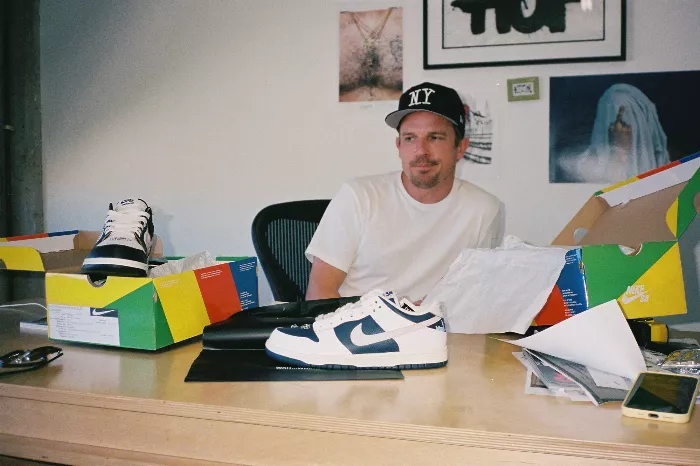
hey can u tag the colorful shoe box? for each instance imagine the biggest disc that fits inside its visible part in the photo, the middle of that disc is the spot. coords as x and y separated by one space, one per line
569 296
628 248
141 313
148 313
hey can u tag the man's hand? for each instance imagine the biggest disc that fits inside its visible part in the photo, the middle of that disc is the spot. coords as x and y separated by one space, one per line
324 281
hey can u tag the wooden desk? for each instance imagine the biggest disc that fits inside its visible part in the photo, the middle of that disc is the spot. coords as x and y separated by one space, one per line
133 407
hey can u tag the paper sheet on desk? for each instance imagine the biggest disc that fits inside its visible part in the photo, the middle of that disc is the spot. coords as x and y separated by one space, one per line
599 338
497 290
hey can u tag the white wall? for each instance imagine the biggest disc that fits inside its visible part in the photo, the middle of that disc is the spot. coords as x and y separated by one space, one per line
211 110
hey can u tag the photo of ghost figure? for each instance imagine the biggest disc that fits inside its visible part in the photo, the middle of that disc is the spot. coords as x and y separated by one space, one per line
371 55
609 128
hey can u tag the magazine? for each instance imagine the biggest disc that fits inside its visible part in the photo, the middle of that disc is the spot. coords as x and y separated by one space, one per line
580 374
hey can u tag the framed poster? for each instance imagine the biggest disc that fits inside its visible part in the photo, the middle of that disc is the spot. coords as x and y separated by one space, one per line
370 52
609 128
523 89
469 33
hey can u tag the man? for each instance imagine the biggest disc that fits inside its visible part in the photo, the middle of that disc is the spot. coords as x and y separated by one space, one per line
401 231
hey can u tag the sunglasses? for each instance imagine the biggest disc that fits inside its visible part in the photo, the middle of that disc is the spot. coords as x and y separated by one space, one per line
24 360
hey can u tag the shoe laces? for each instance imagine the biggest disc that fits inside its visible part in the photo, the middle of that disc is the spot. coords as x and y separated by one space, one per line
347 310
350 311
126 221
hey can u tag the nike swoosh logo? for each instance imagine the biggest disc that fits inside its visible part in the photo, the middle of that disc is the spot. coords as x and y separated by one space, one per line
95 312
628 299
359 338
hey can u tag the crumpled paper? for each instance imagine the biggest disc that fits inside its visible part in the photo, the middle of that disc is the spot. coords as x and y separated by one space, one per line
497 290
196 261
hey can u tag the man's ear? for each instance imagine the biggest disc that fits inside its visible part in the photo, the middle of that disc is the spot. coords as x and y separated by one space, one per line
462 148
398 142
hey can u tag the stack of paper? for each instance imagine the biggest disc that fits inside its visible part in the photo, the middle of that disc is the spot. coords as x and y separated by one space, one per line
591 356
599 338
548 375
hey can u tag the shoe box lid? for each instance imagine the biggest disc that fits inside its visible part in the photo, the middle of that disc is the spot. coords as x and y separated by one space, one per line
629 244
62 251
658 205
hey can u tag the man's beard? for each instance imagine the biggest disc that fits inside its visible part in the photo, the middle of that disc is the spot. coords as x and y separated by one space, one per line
420 182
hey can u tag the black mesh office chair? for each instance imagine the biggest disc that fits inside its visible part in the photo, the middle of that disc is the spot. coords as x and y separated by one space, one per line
281 233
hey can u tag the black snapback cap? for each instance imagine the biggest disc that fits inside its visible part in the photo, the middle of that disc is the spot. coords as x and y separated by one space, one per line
434 98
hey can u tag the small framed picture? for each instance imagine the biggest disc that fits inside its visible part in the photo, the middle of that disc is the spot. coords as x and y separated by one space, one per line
523 89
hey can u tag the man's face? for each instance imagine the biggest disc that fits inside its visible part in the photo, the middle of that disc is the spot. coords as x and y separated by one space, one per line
427 149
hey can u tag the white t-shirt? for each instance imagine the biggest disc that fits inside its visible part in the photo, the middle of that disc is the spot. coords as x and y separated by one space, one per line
383 238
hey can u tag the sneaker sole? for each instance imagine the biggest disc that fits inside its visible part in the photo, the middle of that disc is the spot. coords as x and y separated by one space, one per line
365 361
113 266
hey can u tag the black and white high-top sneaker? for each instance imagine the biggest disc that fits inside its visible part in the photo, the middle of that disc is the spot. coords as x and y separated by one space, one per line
125 243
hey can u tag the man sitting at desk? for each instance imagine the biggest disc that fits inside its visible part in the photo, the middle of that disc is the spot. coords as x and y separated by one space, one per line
400 231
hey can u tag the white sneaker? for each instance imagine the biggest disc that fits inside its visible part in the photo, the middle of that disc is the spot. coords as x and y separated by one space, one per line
125 243
376 332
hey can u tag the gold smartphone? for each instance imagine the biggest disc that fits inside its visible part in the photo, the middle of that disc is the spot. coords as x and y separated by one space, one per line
661 397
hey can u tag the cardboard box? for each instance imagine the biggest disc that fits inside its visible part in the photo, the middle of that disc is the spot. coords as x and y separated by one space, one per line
141 313
62 250
148 313
629 249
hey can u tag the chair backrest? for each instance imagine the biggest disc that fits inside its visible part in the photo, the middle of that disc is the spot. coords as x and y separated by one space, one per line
281 233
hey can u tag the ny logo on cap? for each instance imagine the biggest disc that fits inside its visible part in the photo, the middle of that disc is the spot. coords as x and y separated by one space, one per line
415 96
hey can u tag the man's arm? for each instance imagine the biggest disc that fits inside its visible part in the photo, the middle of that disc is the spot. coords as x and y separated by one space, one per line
324 280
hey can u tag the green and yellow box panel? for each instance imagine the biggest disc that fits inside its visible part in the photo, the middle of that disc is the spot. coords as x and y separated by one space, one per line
148 313
628 246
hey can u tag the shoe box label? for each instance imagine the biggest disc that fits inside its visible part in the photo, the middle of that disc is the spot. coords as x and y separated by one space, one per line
83 323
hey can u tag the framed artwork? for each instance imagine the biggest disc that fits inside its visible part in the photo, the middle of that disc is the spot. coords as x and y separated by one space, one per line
609 128
370 52
479 128
470 33
523 89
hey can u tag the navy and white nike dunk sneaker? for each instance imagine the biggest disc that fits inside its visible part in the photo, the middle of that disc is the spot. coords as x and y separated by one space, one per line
378 331
125 243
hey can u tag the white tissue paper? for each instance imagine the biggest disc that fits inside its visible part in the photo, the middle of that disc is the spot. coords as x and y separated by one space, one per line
196 261
497 290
